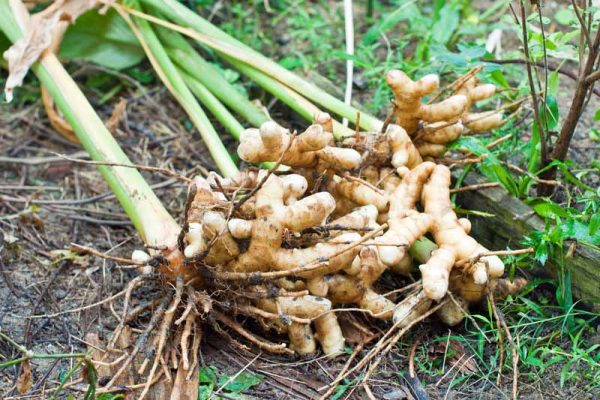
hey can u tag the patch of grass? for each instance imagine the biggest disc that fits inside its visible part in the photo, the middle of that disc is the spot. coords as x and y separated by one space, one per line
547 347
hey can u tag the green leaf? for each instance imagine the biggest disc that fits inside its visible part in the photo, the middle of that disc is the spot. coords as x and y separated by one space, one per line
534 361
597 115
241 382
454 59
553 81
549 114
445 27
564 373
562 166
547 209
291 62
541 253
103 39
499 78
205 392
340 390
391 20
565 16
5 44
533 306
594 224
207 375
505 179
581 232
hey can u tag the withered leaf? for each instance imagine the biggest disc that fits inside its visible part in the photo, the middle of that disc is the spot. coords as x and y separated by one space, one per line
24 381
40 31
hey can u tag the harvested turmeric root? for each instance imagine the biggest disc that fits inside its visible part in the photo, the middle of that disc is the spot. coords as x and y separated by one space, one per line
293 246
453 241
409 108
432 126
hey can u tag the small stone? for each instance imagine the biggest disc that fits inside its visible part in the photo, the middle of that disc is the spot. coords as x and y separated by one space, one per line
396 394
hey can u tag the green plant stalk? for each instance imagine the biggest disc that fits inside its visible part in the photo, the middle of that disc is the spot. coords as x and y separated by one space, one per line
187 59
66 377
296 102
421 249
168 73
150 218
230 46
212 103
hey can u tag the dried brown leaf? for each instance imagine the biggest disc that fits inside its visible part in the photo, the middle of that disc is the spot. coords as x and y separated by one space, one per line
56 119
24 381
457 356
113 122
41 30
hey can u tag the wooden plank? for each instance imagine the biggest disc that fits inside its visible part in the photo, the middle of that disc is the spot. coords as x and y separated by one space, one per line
514 219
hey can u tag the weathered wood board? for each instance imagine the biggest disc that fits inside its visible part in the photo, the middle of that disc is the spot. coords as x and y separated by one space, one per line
512 220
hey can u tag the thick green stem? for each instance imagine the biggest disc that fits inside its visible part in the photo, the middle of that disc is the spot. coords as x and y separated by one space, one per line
230 46
213 104
168 73
152 221
187 59
296 102
421 249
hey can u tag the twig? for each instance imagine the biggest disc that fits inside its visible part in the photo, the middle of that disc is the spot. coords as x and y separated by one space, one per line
362 182
88 250
496 142
593 77
40 160
457 84
534 98
476 258
136 281
159 170
262 344
355 352
478 186
552 67
392 342
551 182
515 355
584 29
310 267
